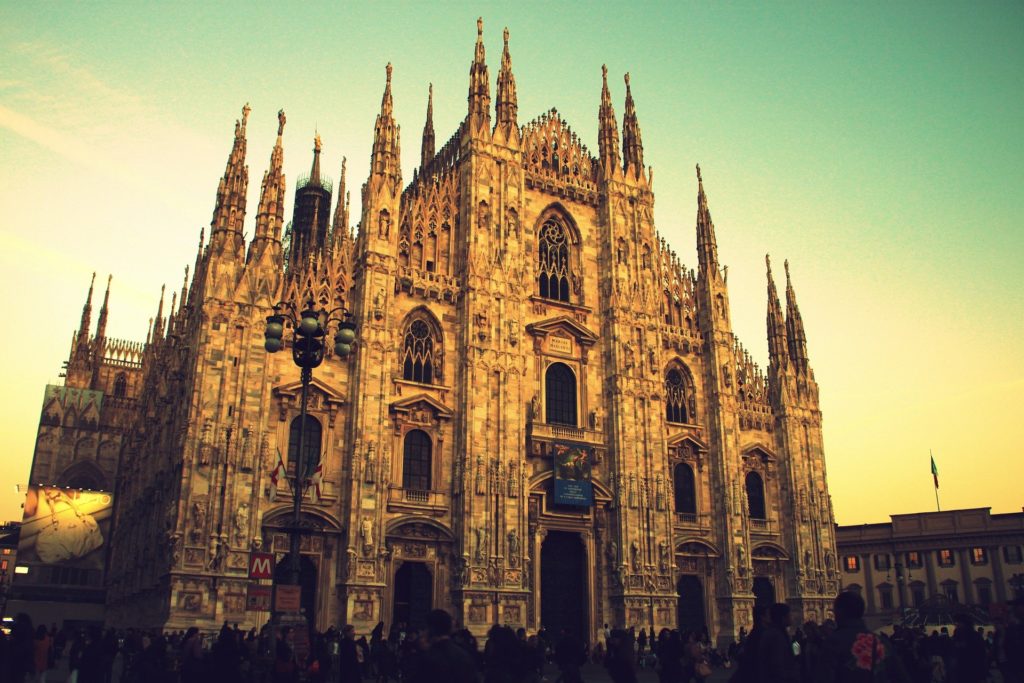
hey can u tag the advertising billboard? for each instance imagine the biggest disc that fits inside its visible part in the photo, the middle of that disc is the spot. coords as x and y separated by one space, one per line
572 475
65 527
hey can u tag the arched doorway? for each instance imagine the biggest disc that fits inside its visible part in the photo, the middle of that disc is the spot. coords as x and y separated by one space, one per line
764 591
414 594
690 608
563 581
307 580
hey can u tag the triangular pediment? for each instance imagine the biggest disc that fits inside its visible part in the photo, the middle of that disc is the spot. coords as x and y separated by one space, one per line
682 439
292 389
760 450
563 323
420 402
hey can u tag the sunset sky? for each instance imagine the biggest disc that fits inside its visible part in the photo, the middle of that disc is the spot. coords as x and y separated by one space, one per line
877 146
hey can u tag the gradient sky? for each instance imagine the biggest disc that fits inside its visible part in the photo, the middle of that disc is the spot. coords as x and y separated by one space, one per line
877 146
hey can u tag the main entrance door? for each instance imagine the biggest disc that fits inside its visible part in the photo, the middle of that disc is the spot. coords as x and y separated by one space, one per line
563 584
307 580
690 609
764 591
414 594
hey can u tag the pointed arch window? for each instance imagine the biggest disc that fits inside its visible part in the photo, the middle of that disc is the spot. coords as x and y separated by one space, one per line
685 489
416 461
120 386
310 445
553 268
421 352
755 496
675 397
560 395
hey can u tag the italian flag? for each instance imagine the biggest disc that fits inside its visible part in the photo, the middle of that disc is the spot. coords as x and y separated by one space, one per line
935 472
275 476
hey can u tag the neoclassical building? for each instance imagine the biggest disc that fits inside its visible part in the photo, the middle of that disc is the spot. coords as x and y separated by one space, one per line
516 309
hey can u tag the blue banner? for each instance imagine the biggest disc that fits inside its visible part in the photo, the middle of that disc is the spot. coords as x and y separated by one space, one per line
571 463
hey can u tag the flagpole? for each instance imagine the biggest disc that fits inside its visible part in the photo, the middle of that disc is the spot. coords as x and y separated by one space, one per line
938 507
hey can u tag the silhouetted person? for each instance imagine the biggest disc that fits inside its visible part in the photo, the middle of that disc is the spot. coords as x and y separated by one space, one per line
969 664
570 655
852 653
746 670
619 660
776 662
443 660
348 658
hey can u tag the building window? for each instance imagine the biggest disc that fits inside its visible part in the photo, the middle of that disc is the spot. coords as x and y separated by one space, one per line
421 352
553 272
917 593
946 558
560 395
675 397
755 496
983 587
851 563
685 489
979 556
914 560
882 562
310 455
1011 553
885 596
950 590
120 385
416 461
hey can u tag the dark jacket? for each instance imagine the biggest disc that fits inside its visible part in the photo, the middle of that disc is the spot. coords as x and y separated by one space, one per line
853 654
443 661
776 662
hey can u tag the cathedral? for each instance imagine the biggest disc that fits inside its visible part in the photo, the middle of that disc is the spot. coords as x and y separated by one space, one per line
545 420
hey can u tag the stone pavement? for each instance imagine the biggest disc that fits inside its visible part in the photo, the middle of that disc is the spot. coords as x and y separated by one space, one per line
593 673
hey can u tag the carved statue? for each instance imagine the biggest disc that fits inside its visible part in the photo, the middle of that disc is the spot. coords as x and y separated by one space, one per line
634 553
741 555
513 480
218 551
627 355
807 559
241 523
535 408
645 499
480 534
198 520
384 225
726 376
691 401
481 482
370 475
513 548
659 487
612 552
632 490
366 535
663 555
483 215
513 332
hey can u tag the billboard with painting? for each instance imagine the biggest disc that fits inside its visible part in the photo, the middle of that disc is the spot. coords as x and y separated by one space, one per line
65 527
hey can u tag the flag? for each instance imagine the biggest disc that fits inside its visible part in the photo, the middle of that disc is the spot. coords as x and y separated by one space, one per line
935 472
275 475
316 482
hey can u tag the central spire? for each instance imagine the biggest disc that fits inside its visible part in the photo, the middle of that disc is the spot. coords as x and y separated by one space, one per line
608 127
427 148
632 144
479 85
271 212
707 247
386 152
778 353
507 105
796 338
229 212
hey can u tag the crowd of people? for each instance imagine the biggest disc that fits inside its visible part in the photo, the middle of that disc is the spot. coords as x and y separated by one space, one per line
774 651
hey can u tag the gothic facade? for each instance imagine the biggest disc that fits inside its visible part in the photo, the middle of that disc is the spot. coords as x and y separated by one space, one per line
514 297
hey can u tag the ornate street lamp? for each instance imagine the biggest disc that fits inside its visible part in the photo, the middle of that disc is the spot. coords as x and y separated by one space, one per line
310 327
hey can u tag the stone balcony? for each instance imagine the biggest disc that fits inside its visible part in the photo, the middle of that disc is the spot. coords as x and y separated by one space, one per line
434 503
538 432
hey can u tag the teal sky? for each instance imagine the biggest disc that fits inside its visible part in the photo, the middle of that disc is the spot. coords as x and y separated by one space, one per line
877 146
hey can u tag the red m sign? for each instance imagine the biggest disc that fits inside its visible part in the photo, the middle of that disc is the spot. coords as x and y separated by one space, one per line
261 565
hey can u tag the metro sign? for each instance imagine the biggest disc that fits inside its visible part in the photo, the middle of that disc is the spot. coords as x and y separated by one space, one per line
261 565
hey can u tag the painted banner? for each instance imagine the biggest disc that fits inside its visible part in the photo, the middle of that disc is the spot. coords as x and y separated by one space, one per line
572 475
65 527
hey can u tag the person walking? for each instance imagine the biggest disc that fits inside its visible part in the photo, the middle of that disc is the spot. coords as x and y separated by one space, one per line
852 653
443 660
619 660
348 659
42 648
776 662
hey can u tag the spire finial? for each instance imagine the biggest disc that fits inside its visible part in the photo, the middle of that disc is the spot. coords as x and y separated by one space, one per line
505 36
604 75
281 119
388 69
507 104
768 262
317 143
608 128
245 113
480 26
427 145
632 139
627 81
785 264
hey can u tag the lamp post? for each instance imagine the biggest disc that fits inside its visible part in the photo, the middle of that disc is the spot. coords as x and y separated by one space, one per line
309 328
